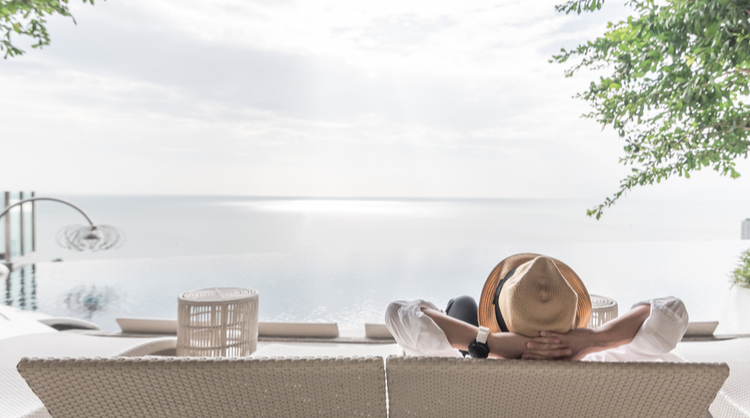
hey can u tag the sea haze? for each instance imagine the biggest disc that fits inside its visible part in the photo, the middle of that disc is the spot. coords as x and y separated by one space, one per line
343 260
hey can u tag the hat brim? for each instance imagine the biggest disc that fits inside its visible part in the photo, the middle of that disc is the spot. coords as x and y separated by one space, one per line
486 311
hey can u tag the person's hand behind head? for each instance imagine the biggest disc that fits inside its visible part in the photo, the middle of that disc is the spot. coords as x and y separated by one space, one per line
572 346
509 345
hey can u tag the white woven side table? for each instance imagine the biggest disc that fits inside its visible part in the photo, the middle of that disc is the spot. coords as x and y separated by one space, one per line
603 310
217 322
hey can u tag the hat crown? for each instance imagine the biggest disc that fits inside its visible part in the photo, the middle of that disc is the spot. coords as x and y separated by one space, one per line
538 298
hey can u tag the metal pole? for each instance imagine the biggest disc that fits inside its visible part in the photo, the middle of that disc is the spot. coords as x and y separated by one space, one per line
23 232
34 199
33 224
7 230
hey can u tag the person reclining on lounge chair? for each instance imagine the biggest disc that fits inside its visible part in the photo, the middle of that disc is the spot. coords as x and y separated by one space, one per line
535 307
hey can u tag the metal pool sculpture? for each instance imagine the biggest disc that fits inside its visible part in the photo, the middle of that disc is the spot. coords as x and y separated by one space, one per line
90 237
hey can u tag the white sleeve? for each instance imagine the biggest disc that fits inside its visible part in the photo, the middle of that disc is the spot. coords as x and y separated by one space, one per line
416 332
658 335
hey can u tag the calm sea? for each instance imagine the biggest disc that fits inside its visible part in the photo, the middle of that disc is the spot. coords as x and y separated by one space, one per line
343 260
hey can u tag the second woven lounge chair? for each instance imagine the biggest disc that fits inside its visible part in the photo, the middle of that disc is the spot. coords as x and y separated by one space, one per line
451 387
345 387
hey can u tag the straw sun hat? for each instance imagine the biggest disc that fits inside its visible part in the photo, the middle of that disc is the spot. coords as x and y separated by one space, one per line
530 293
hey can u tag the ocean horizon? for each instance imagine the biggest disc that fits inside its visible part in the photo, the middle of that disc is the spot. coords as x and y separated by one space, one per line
343 260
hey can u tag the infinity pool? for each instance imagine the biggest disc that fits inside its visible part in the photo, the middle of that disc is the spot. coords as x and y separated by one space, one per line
352 288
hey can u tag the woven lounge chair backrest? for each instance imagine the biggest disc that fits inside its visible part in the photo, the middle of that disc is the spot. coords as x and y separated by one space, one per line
449 387
178 387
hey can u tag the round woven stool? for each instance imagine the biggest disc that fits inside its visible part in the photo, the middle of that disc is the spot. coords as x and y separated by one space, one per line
603 310
217 322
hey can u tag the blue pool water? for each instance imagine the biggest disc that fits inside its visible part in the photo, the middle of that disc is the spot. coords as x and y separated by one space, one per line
344 260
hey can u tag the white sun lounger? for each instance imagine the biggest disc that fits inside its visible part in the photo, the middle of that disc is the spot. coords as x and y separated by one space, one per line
16 398
201 388
733 400
450 387
429 387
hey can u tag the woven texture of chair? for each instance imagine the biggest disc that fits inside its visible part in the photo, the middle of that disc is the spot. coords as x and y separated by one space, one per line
451 387
17 399
603 310
230 388
217 322
733 400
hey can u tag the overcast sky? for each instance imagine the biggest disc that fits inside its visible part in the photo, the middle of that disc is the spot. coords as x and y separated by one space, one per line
317 98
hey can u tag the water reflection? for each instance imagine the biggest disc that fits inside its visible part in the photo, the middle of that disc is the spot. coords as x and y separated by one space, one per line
352 288
20 288
88 300
323 206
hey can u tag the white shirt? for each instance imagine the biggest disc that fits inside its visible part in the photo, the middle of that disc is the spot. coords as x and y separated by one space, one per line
659 334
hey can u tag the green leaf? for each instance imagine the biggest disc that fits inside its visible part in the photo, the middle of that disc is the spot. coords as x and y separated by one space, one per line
26 18
680 99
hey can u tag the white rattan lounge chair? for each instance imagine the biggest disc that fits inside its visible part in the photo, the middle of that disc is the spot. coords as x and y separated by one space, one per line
201 388
429 387
16 398
450 387
733 400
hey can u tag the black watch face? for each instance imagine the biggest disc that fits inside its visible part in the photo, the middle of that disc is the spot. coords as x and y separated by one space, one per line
478 350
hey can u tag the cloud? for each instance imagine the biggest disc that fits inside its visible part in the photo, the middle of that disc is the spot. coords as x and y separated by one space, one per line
325 98
193 73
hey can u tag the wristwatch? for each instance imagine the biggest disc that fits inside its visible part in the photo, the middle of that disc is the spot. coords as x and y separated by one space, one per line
479 348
